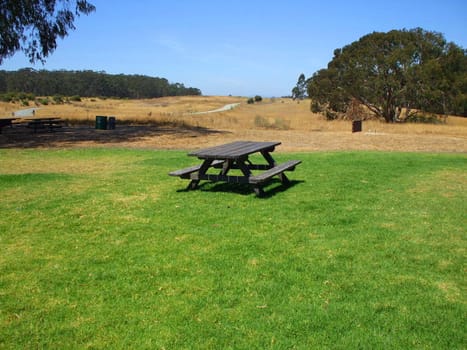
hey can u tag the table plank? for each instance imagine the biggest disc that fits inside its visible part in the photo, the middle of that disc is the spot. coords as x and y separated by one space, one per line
234 150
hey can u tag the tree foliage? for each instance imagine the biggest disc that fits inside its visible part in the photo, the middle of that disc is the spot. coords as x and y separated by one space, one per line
33 26
89 84
389 72
300 90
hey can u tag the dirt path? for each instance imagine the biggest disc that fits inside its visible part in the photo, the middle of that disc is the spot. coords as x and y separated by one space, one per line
222 109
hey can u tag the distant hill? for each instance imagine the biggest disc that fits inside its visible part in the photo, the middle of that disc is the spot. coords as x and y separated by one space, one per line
89 84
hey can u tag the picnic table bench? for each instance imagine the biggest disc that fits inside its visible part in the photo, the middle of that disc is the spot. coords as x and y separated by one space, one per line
235 155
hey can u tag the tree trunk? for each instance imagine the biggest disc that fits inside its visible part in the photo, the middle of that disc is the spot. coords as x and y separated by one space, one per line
389 109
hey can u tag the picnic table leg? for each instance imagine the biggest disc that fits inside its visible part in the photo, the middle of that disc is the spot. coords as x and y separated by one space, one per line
284 179
247 172
226 167
243 167
272 163
258 190
268 158
193 185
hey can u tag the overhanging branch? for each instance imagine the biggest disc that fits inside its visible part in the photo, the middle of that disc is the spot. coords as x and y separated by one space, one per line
373 108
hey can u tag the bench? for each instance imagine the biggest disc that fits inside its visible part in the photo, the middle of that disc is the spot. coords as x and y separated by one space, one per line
276 170
186 171
279 169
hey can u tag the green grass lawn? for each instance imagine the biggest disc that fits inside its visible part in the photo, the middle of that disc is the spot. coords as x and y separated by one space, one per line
101 249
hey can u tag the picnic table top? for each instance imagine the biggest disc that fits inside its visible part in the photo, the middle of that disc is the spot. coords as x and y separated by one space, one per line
234 150
41 118
28 118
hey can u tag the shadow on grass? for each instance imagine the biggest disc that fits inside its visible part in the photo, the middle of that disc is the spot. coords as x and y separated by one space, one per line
27 178
272 188
22 137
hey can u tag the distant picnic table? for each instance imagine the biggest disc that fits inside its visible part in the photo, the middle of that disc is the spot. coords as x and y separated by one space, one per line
235 155
5 121
44 123
35 123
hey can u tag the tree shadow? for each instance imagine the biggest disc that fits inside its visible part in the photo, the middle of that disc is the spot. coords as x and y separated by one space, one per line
22 137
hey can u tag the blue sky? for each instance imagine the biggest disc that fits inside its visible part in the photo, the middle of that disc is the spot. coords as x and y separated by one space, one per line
243 47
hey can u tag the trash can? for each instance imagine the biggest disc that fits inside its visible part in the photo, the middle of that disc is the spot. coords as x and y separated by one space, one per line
101 122
356 126
111 123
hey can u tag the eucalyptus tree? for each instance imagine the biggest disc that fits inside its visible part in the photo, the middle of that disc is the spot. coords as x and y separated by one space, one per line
389 72
33 26
300 90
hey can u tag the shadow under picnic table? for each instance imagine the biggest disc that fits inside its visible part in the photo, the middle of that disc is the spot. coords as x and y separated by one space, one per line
272 188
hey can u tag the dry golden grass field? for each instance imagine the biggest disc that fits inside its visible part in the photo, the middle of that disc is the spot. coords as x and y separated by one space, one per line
175 123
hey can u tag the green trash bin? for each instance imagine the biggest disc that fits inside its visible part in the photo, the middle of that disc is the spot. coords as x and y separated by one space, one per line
111 123
101 122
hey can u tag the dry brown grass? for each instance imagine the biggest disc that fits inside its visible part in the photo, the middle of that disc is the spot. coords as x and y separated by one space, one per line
285 120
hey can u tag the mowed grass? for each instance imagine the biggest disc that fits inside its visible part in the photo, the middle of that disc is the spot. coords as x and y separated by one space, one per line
101 249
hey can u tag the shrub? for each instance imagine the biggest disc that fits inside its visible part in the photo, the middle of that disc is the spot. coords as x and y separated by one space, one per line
262 122
8 97
331 115
250 101
424 119
22 97
315 107
58 99
279 123
75 98
258 98
43 101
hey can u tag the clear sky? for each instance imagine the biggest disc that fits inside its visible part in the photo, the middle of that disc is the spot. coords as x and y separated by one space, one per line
236 47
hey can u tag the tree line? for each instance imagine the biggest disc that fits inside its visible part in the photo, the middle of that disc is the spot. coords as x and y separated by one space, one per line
89 84
395 76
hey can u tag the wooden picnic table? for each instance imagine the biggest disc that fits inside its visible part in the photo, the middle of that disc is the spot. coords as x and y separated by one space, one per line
5 121
48 123
235 155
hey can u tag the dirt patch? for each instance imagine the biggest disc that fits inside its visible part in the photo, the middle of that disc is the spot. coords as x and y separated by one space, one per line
186 137
174 123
